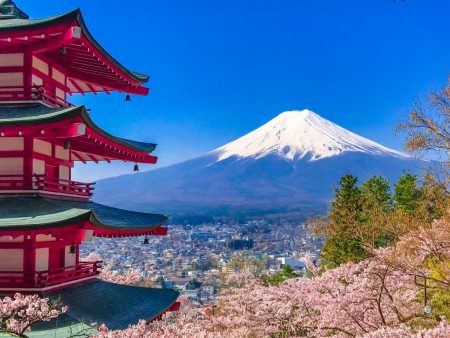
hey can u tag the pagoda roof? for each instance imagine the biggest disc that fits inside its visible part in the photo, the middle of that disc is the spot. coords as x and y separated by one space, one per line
84 50
115 305
36 212
94 141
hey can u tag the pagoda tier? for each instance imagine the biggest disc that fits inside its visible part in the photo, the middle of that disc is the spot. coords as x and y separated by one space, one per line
48 59
39 145
44 214
41 239
115 305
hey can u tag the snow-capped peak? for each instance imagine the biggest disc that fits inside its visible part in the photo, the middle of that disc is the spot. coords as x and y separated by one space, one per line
301 134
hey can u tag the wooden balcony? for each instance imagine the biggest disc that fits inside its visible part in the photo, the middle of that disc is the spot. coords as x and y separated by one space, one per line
41 183
44 94
47 279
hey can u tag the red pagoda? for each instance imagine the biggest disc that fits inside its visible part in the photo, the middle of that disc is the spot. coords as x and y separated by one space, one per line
44 214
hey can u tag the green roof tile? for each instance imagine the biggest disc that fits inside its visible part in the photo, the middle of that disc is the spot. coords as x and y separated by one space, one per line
114 305
32 114
24 24
37 212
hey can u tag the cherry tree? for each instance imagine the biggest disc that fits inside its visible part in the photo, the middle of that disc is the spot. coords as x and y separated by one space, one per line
19 313
189 321
375 298
129 277
442 330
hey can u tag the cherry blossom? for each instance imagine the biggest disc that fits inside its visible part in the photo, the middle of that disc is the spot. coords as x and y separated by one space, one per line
129 277
18 314
376 298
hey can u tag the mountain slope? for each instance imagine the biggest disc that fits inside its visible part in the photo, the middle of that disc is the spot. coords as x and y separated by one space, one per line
291 164
301 134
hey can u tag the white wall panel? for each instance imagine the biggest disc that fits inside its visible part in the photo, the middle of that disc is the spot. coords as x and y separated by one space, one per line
11 143
11 259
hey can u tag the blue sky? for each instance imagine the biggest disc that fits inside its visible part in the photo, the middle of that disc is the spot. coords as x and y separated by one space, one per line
222 68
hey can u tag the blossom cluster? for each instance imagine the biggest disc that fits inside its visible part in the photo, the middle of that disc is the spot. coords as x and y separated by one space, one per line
375 298
129 277
19 313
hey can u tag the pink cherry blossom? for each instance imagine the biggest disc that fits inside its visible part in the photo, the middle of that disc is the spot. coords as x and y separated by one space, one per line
18 314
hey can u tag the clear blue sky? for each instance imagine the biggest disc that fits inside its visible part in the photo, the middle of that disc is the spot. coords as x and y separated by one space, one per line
222 68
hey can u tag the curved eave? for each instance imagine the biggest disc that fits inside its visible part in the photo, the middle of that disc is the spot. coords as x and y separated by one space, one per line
31 213
130 144
103 230
115 305
58 115
14 25
138 77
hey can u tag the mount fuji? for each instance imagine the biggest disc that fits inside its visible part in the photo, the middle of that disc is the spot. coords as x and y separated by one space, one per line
292 164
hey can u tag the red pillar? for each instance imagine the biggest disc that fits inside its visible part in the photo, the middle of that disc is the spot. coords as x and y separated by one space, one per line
27 75
28 160
29 256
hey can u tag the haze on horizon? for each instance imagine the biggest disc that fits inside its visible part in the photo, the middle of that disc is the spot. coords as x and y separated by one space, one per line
221 69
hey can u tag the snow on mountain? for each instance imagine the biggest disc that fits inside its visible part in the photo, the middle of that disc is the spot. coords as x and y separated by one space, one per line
290 165
301 134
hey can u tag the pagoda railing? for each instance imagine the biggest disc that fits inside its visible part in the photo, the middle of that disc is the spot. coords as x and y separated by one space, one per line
44 183
35 93
48 278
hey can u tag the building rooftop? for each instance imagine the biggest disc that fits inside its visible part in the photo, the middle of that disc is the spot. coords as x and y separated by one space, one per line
39 114
48 35
115 305
35 212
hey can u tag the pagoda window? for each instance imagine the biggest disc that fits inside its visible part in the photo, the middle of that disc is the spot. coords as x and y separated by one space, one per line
11 144
11 60
42 147
38 167
61 153
14 261
45 238
70 258
11 166
58 76
11 239
61 94
11 79
36 80
42 259
64 172
40 65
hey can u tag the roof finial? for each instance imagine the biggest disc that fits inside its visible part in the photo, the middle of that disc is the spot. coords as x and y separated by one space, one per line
9 10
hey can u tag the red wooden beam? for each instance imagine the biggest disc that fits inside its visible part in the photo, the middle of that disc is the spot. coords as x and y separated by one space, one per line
78 156
11 69
85 77
128 155
93 158
91 88
75 61
49 79
72 34
101 57
81 91
111 233
50 159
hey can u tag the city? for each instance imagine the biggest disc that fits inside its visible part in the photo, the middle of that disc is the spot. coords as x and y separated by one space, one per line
191 258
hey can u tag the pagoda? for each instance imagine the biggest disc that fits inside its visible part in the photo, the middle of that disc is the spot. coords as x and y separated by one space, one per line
44 214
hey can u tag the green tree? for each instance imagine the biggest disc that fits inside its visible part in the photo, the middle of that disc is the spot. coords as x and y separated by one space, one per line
376 193
285 273
341 245
407 193
375 229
